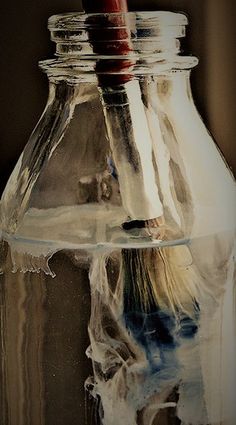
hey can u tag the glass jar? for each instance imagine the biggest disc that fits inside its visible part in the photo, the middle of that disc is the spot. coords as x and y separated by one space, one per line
118 230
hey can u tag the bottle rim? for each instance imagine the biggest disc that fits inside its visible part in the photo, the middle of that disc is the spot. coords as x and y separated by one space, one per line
133 42
80 20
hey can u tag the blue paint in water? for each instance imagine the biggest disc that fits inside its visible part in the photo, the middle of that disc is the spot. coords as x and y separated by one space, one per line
188 327
155 332
159 332
160 335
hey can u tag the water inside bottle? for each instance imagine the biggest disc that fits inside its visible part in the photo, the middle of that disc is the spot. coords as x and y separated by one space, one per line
117 334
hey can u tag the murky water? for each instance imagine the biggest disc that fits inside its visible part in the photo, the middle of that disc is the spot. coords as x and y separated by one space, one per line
119 336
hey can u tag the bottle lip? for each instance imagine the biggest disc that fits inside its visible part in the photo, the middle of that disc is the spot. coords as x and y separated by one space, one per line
108 34
115 43
80 20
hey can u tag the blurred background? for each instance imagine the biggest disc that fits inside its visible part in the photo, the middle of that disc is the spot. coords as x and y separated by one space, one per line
25 40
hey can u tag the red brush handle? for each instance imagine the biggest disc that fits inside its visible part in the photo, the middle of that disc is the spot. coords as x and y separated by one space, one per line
110 72
105 6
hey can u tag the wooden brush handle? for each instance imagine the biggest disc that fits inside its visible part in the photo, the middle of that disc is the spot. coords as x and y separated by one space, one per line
110 72
105 6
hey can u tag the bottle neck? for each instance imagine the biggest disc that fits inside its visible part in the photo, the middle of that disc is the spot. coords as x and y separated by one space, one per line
163 91
129 44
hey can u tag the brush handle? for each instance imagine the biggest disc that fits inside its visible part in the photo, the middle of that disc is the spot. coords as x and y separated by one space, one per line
123 109
111 71
105 6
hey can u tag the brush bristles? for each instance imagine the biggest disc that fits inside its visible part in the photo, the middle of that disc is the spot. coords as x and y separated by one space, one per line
163 277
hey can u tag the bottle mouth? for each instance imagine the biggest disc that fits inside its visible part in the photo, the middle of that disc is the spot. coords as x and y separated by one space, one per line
142 39
146 32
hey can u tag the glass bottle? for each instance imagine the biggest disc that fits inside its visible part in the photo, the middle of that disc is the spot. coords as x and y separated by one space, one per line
118 230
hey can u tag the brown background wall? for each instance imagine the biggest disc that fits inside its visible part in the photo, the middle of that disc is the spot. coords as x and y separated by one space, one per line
25 40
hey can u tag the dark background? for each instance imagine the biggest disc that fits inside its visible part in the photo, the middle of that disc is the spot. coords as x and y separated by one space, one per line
25 40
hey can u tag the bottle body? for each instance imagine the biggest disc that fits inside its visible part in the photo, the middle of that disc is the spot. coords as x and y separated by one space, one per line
43 340
101 342
117 293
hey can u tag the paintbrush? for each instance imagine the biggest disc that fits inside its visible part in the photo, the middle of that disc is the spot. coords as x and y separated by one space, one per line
162 277
124 112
